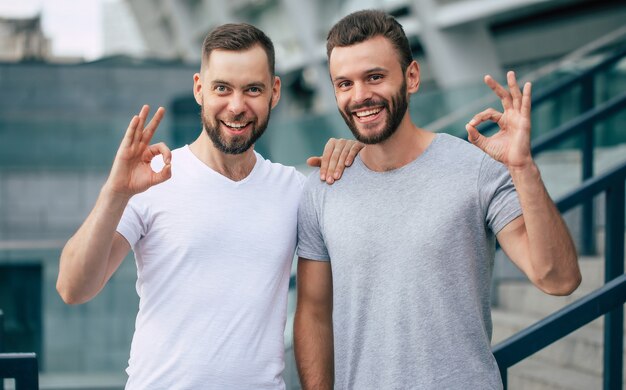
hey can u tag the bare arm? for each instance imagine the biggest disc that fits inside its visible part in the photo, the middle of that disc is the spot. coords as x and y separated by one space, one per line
313 325
539 242
93 254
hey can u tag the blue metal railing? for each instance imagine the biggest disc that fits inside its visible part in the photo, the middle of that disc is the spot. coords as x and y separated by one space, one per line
584 79
1 343
607 300
22 367
1 333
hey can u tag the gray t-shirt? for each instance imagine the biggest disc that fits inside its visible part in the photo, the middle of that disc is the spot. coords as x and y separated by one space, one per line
412 253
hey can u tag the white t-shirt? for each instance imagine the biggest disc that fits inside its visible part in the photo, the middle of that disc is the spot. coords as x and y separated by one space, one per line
213 265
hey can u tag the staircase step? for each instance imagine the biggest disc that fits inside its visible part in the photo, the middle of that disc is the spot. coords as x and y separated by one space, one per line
523 297
534 375
592 270
82 381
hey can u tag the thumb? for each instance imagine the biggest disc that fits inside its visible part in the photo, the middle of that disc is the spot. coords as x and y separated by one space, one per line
163 175
314 161
474 136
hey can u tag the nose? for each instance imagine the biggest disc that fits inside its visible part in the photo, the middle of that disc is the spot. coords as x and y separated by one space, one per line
361 93
237 103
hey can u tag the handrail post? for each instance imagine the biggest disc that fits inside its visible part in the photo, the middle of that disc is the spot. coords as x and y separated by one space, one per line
504 376
587 227
22 367
614 267
1 331
1 343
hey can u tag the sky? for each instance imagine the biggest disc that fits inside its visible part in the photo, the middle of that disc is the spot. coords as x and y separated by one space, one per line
74 26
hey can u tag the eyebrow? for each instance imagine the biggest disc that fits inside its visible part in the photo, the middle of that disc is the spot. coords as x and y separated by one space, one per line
368 71
257 84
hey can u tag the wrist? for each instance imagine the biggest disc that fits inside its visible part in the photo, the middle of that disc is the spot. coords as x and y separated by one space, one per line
528 165
113 195
526 170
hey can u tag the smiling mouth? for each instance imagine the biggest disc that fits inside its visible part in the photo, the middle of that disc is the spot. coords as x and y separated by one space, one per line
236 127
368 113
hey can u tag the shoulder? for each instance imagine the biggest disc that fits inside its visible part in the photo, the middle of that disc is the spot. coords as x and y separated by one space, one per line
314 188
458 155
279 173
458 147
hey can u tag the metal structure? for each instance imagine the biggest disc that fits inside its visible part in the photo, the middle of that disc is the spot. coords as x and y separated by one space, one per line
456 38
609 299
22 367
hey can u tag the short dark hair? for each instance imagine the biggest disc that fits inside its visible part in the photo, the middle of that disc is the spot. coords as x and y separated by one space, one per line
235 37
363 25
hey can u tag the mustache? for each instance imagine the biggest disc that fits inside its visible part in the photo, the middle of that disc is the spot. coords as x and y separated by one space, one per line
238 118
368 104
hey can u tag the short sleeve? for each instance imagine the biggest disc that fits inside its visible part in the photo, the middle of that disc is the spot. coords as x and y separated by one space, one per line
311 243
132 225
497 193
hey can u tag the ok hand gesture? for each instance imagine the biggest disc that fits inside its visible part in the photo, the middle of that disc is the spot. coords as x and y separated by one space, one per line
510 145
131 172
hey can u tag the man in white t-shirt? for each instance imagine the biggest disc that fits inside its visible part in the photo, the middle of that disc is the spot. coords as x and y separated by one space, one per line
213 227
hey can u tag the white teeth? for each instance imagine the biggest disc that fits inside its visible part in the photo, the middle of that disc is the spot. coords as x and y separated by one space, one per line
235 125
361 114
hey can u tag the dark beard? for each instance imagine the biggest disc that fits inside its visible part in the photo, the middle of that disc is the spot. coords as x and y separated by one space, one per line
237 145
400 105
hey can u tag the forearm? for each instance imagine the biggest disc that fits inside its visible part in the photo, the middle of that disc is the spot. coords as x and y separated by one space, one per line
84 260
313 347
552 255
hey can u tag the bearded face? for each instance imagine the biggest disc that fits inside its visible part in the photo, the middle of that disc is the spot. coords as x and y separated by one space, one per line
236 92
395 110
236 134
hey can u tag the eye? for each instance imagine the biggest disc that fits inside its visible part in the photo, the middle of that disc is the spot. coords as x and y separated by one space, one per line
376 77
220 89
344 84
255 90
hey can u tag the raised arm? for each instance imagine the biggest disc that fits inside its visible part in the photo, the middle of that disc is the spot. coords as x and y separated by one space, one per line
96 250
313 325
538 242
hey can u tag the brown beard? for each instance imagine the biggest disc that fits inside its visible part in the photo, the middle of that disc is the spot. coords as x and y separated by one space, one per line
237 145
399 103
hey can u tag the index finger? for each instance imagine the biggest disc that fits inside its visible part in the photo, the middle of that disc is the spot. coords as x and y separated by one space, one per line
152 126
503 94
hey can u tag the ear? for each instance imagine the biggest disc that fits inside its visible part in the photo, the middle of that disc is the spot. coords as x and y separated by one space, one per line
197 88
275 91
413 77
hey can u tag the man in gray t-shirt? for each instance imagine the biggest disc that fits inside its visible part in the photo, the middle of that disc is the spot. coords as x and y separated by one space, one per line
395 260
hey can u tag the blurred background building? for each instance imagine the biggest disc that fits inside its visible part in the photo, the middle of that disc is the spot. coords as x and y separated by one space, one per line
23 40
62 117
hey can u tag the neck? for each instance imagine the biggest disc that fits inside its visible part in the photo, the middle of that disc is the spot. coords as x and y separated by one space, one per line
236 167
404 146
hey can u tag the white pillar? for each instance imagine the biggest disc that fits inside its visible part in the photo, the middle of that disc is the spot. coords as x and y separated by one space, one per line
458 55
182 25
302 16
